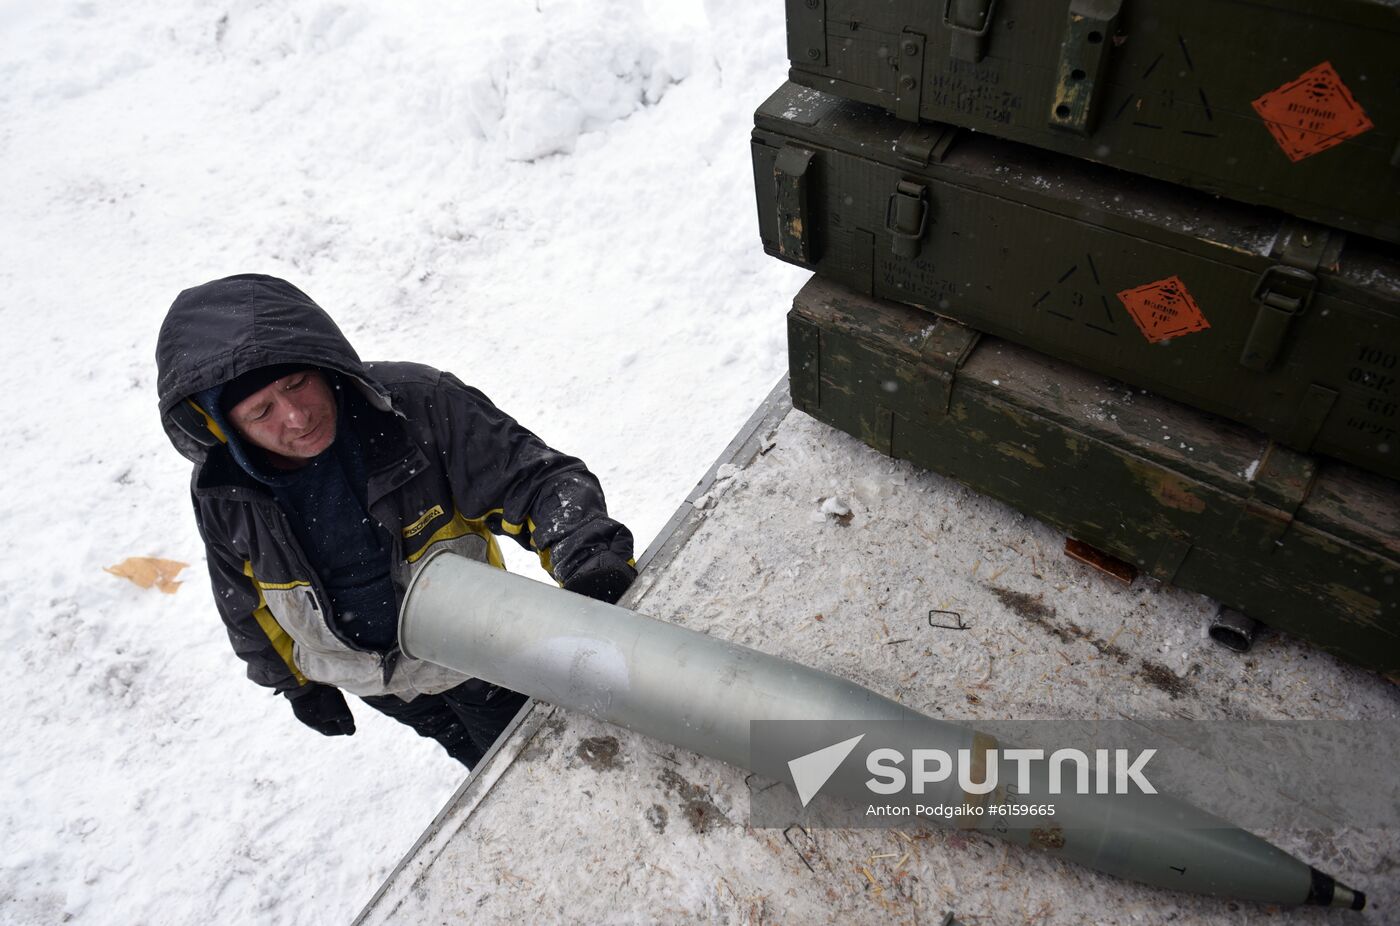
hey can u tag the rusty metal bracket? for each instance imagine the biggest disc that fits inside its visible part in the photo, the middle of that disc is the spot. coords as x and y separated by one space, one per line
1104 562
791 170
1083 64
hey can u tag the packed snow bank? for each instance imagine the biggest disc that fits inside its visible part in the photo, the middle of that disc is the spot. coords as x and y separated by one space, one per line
551 199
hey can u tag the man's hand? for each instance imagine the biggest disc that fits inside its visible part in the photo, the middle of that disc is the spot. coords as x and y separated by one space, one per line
604 577
323 709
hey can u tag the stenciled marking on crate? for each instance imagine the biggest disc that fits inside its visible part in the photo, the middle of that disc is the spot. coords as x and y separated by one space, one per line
913 281
973 90
1312 113
1373 380
1167 95
1076 295
1163 309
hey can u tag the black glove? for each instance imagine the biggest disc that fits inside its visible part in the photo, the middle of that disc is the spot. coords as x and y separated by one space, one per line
323 709
604 577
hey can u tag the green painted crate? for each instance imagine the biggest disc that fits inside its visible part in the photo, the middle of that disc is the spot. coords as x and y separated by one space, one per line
1284 103
1285 326
1310 547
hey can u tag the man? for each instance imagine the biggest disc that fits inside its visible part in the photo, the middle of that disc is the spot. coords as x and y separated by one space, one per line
319 481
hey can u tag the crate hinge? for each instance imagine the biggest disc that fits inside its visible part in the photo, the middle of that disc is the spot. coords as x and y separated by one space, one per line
806 32
926 143
909 79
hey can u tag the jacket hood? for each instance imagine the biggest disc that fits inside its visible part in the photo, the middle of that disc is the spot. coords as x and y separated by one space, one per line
218 331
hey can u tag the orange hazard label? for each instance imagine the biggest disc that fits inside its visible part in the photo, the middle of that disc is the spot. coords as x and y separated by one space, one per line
1311 114
1163 310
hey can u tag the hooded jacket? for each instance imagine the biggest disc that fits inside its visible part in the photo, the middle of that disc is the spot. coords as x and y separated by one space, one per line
445 468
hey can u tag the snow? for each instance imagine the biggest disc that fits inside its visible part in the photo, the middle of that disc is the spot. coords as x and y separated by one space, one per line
553 200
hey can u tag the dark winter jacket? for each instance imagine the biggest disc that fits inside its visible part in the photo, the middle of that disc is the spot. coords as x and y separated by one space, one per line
446 468
326 502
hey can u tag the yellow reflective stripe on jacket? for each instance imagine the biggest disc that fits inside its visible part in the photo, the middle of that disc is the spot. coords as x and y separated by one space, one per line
279 586
281 641
209 422
460 526
515 529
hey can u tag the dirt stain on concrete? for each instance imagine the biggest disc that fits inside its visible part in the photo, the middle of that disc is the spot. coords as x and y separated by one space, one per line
1034 610
599 752
1159 676
656 815
1051 837
696 806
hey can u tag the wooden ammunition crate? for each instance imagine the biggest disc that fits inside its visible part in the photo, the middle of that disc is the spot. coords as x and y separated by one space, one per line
1309 546
1288 327
1283 103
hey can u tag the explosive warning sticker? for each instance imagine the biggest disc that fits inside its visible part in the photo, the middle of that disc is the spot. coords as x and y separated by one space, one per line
1163 310
1313 113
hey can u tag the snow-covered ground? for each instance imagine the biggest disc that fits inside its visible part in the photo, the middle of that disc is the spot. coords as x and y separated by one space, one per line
551 199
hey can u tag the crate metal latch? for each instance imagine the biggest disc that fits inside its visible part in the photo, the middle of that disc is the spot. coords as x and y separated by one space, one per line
969 21
906 218
1284 290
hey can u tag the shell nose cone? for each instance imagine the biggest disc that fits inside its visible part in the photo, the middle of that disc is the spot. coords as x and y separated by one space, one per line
1328 892
1348 898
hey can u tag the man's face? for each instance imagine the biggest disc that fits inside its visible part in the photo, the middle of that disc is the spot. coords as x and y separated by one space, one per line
292 418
